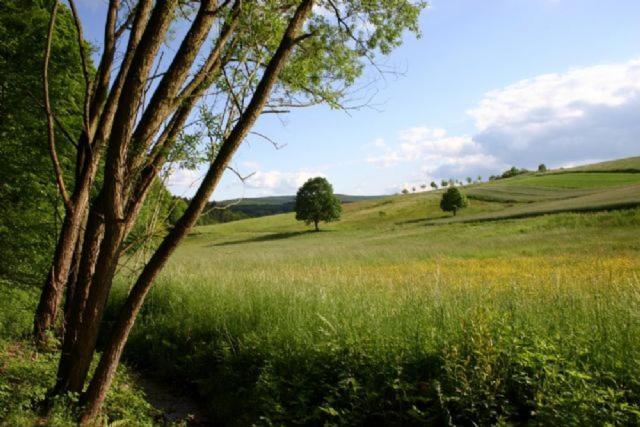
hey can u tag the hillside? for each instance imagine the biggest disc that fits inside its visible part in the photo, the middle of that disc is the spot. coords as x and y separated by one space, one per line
263 206
525 195
400 314
629 164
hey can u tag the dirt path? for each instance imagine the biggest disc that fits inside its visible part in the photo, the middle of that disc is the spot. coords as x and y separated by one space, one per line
176 406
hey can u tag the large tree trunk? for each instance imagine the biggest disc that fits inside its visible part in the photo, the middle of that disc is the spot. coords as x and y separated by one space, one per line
94 233
53 289
93 293
91 143
105 371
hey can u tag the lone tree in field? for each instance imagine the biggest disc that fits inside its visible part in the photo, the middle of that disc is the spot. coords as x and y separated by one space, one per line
316 202
452 200
542 167
145 112
434 185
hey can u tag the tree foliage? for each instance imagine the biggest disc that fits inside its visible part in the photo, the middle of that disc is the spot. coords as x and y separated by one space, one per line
452 200
142 116
316 202
30 209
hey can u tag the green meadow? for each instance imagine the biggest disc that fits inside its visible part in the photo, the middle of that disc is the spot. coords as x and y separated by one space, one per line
400 314
522 309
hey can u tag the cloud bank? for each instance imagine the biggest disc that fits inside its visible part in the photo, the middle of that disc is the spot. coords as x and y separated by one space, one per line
585 114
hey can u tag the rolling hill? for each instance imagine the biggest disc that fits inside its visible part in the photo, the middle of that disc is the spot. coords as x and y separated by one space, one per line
400 306
602 186
263 206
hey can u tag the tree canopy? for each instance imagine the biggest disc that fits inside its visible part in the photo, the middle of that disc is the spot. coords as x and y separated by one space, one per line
316 202
30 208
143 114
452 200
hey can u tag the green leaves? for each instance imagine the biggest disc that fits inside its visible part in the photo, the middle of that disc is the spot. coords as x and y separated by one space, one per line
316 202
29 206
452 200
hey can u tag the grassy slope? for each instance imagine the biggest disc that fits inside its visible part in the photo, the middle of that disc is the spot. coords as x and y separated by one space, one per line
586 188
628 164
381 318
26 374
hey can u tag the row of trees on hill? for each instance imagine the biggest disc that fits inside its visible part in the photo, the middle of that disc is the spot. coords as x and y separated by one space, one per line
451 182
443 184
514 171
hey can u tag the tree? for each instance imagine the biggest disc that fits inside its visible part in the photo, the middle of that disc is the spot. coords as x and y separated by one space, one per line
452 200
469 180
235 61
30 207
444 183
514 171
542 167
479 179
405 191
434 185
316 202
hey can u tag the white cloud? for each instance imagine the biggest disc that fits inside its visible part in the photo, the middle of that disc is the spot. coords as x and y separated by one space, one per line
585 113
560 119
418 142
184 182
278 182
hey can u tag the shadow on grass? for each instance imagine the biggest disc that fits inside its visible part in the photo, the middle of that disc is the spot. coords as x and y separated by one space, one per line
267 238
422 220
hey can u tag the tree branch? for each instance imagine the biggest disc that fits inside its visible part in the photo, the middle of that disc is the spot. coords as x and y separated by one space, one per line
47 108
101 82
274 143
85 67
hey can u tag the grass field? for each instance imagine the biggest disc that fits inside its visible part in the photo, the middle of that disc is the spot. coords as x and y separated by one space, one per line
399 314
390 317
627 164
578 180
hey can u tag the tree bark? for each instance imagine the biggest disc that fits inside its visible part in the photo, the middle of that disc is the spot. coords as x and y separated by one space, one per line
53 288
76 359
92 239
105 371
52 291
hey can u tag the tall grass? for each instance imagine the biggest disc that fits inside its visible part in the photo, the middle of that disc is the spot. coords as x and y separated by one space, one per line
536 320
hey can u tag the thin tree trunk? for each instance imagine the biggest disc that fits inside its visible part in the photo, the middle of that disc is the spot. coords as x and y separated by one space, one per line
53 288
105 371
92 240
73 274
73 370
315 221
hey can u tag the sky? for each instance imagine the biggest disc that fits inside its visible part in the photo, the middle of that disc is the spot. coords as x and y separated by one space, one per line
489 85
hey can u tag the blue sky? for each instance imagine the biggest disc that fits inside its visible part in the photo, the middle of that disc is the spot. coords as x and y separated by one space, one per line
489 85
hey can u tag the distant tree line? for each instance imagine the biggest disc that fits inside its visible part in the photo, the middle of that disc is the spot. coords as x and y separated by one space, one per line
451 182
514 171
